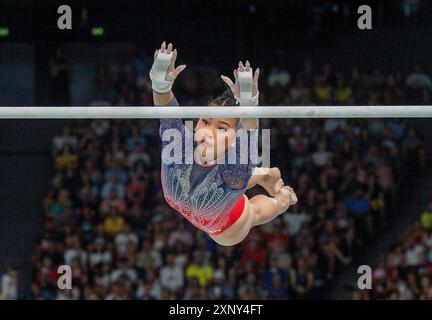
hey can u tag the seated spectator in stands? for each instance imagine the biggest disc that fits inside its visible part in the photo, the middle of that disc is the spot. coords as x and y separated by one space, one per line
67 138
301 280
278 77
200 269
322 90
115 172
180 235
74 251
112 202
9 284
299 146
66 158
418 79
426 218
267 276
123 272
113 188
342 92
278 288
114 222
299 92
322 155
419 84
123 238
62 210
376 198
139 156
137 218
98 254
253 251
135 139
136 190
171 275
357 204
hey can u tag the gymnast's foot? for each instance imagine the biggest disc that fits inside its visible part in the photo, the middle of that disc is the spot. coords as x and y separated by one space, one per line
284 198
271 181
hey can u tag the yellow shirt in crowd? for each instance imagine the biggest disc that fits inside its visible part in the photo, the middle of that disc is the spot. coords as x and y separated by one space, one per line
343 94
426 220
113 225
66 160
323 92
202 273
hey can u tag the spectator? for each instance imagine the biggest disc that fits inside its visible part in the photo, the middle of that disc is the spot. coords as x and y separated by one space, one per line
426 218
171 275
200 270
419 84
9 284
301 280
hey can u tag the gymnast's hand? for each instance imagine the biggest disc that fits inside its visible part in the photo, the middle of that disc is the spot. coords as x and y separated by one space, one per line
163 71
245 88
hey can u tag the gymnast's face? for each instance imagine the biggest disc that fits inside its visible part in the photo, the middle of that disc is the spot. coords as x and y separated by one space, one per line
214 136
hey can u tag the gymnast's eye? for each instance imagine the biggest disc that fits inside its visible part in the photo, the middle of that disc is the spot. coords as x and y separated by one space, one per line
205 121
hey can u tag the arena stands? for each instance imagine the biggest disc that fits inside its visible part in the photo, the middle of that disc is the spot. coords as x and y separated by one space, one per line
106 217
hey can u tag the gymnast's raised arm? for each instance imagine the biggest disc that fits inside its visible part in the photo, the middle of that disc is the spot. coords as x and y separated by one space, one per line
245 90
163 73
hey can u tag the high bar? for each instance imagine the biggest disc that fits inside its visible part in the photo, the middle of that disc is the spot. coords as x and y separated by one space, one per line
138 112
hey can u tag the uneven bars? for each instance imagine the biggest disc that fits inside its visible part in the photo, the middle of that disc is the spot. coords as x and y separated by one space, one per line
137 112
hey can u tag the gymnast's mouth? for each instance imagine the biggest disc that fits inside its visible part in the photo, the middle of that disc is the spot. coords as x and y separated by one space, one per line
205 143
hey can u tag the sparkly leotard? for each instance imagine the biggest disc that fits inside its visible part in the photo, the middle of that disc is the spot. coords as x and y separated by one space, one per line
205 195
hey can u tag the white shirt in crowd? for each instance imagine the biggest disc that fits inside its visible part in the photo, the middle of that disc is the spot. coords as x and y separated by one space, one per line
9 288
72 254
154 292
104 257
60 141
149 259
130 273
320 157
418 80
172 277
73 294
122 239
412 255
139 156
100 126
183 236
295 222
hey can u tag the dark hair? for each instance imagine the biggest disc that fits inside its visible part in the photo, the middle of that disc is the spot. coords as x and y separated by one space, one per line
225 99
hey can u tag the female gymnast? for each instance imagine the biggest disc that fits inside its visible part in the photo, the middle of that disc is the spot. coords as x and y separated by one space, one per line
208 193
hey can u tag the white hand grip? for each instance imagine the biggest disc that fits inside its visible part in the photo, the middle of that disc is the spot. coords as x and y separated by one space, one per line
158 73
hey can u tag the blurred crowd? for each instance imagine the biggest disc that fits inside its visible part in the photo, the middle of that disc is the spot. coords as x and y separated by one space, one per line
405 272
105 214
128 84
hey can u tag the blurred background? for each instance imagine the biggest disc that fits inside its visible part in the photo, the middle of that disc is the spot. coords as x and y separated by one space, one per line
87 193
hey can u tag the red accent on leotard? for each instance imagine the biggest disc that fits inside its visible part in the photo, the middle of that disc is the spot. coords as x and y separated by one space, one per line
234 215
